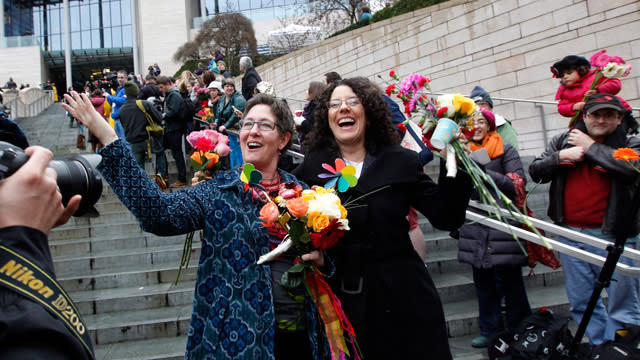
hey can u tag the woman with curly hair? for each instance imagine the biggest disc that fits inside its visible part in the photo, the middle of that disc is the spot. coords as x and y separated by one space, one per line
384 287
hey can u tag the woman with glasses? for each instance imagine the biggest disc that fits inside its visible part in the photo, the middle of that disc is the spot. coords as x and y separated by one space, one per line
384 287
495 257
239 306
226 118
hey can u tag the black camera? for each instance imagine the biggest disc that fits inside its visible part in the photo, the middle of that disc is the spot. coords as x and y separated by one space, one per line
76 176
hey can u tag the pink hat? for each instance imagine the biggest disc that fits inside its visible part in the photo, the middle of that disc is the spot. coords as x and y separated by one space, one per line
489 116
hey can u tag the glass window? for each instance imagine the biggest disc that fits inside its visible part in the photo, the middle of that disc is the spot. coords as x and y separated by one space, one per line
244 4
93 15
86 40
106 15
95 39
85 17
74 19
55 42
256 4
107 38
76 42
116 15
116 36
126 12
55 23
127 40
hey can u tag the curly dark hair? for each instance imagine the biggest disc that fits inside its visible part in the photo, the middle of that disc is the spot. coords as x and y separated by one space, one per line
380 131
280 110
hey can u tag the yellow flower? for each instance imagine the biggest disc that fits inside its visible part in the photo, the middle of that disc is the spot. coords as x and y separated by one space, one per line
463 104
308 195
317 221
343 212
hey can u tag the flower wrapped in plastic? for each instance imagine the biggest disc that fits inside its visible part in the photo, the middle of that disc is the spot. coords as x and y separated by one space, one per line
311 219
209 146
206 115
446 123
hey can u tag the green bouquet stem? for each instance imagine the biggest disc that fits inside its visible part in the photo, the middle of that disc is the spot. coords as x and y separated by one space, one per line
483 183
574 118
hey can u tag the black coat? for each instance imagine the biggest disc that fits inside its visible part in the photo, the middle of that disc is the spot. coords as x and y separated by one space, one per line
134 121
398 313
27 329
249 82
485 247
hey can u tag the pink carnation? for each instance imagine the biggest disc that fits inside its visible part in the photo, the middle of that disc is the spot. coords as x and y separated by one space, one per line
600 59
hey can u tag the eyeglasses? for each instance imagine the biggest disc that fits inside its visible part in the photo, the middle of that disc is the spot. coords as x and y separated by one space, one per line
480 123
336 103
263 125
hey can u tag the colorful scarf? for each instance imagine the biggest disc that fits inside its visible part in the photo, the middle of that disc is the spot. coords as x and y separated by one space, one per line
492 142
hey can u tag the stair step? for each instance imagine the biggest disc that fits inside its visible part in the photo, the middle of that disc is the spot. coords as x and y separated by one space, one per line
139 325
141 275
97 230
122 258
162 348
458 286
462 316
138 297
82 246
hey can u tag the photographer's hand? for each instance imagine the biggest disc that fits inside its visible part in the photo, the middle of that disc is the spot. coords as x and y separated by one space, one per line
80 107
30 196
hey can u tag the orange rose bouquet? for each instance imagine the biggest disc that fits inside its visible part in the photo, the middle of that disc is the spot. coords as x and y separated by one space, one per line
306 220
209 146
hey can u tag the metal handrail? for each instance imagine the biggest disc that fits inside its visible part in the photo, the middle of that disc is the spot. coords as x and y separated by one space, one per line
548 227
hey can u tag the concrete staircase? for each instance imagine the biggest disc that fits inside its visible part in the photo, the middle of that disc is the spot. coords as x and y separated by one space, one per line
121 278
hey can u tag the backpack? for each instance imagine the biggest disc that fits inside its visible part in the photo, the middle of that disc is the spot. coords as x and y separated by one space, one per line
187 110
626 345
540 336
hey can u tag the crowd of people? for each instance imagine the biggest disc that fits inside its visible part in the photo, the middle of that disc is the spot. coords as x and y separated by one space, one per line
377 270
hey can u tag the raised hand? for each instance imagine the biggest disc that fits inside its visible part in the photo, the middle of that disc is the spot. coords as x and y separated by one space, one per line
80 107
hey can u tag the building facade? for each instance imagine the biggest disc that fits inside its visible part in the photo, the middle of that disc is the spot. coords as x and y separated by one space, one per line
66 41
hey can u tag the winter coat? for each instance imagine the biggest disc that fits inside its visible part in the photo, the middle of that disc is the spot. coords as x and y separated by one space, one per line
398 313
233 312
224 113
135 122
249 82
27 329
574 93
171 113
624 179
116 101
98 104
485 247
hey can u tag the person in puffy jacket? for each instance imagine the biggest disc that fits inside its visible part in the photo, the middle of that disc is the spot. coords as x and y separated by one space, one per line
495 257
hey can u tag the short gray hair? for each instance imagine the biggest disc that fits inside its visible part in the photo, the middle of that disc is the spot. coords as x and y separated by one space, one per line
246 62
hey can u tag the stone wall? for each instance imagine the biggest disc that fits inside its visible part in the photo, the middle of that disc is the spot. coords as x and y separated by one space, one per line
506 46
163 28
23 64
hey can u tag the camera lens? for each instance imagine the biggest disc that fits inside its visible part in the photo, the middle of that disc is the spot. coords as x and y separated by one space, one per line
78 175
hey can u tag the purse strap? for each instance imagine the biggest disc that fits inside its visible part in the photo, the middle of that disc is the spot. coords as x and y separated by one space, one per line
146 114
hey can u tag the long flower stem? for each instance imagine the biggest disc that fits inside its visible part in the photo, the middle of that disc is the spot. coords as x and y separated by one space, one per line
596 78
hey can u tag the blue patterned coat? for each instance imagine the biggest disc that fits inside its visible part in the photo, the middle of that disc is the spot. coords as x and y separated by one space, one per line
233 315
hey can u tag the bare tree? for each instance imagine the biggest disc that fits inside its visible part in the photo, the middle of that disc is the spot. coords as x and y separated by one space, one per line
229 32
323 8
295 32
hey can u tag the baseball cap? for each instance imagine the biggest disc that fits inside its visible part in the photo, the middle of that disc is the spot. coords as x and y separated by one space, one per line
603 101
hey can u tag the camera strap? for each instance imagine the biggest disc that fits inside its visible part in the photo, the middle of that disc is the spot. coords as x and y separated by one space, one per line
22 275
